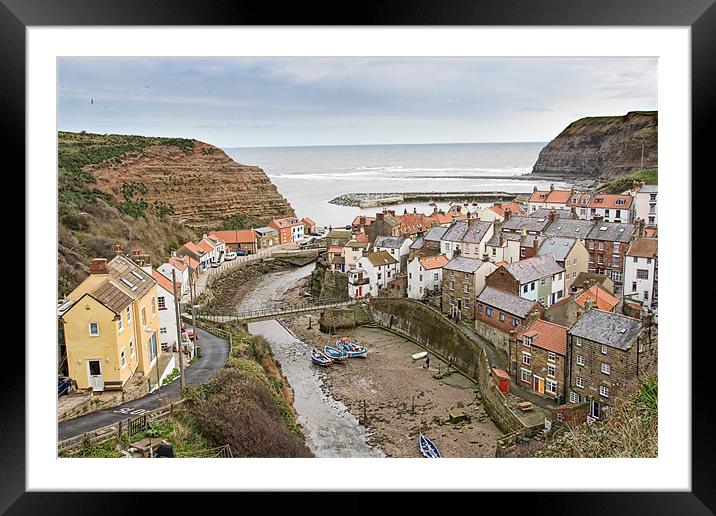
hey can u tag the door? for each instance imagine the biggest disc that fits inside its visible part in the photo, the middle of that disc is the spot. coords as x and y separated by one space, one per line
94 369
538 384
594 409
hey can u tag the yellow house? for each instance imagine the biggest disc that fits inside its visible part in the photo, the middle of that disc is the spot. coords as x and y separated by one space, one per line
111 328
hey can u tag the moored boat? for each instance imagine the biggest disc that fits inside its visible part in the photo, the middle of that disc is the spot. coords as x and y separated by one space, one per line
351 349
335 354
428 448
318 357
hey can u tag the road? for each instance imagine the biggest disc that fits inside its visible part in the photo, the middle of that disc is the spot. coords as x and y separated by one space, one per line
214 352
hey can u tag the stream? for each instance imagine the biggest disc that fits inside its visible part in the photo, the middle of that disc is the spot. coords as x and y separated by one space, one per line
331 430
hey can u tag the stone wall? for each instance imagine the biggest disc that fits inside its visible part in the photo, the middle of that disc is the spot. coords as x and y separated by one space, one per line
428 327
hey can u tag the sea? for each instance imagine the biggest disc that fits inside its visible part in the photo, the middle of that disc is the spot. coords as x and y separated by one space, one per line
310 176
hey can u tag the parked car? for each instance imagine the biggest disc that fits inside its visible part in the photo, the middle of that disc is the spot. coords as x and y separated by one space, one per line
188 330
215 263
230 256
64 385
242 252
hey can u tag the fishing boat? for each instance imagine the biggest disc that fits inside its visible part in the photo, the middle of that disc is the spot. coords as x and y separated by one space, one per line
428 448
351 349
318 357
335 354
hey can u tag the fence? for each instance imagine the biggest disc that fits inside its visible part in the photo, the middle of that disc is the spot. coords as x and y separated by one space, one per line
124 427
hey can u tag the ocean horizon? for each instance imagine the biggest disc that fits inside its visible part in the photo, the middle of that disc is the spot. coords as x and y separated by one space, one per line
309 176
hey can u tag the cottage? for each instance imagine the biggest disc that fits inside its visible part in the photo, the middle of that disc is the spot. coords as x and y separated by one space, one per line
309 226
500 211
568 311
354 251
578 203
525 225
373 272
361 223
538 357
338 237
503 247
607 244
385 224
237 239
607 353
641 271
452 239
611 208
499 313
570 253
552 198
111 327
290 229
462 279
539 279
425 276
165 307
397 247
266 237
474 241
645 205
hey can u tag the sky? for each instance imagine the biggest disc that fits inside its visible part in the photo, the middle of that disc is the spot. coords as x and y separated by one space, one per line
264 102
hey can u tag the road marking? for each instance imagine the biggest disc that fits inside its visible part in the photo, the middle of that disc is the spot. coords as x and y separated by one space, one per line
131 411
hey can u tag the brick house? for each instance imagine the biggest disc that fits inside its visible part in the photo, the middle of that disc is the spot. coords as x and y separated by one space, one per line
538 357
607 244
385 224
289 229
607 353
361 223
499 313
529 245
462 279
539 278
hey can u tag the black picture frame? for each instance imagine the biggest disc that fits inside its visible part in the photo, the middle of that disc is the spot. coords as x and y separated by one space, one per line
699 15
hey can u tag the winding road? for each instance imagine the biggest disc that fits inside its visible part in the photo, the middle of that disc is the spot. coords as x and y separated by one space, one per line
214 352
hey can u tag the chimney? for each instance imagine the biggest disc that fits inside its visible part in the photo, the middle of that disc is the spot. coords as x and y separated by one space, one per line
588 304
508 212
135 252
640 227
380 216
98 266
174 253
552 215
635 185
534 244
118 248
392 212
502 240
551 187
362 220
534 189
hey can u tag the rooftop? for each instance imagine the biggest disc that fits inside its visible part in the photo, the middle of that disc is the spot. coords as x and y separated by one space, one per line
614 330
572 228
455 232
380 258
517 223
604 300
558 247
389 242
436 233
463 264
644 248
612 231
548 335
433 262
506 302
537 267
476 231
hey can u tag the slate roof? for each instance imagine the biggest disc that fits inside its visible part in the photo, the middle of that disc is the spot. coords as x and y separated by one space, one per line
649 189
506 302
614 330
455 232
418 244
559 247
612 231
463 264
542 213
517 223
390 242
571 228
435 233
476 231
125 282
531 269
495 240
265 230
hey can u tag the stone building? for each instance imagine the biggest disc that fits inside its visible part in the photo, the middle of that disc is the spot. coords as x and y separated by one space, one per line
607 353
607 244
385 224
462 279
570 253
499 313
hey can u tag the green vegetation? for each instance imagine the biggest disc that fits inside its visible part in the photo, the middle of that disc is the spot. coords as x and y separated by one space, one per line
622 184
171 376
245 222
630 431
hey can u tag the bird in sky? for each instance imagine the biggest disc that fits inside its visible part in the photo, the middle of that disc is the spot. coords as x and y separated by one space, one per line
91 101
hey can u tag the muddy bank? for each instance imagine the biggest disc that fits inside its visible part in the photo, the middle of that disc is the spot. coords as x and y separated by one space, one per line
388 381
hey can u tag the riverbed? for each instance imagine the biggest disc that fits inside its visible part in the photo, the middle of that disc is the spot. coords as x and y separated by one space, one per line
331 430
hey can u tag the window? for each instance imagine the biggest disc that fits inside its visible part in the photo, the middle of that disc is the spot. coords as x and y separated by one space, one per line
480 307
642 274
522 252
466 302
93 329
603 391
532 285
435 276
525 375
551 370
129 314
466 288
515 321
636 259
526 358
651 221
420 278
161 303
573 397
119 324
123 358
410 275
606 368
604 349
648 261
550 386
144 315
494 251
633 286
560 417
541 282
551 356
576 341
646 295
527 341
131 347
574 261
452 285
580 382
601 246
488 311
580 360
502 316
163 331
652 197
524 289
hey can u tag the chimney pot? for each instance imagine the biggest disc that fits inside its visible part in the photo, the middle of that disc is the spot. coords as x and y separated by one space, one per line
551 187
118 248
98 266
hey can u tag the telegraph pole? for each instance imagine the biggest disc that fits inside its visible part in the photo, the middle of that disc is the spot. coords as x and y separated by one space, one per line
193 314
642 155
179 343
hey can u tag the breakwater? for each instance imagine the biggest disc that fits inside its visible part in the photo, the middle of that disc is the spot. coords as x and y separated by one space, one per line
367 200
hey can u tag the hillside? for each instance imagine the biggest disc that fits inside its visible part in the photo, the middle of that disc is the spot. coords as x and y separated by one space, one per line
602 147
150 193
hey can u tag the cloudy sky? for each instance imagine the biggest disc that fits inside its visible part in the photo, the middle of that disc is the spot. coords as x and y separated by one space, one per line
244 102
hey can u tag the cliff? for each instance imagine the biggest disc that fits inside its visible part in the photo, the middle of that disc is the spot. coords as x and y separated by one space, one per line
149 193
602 147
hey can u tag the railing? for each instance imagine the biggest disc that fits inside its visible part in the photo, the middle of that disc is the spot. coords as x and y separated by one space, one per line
275 310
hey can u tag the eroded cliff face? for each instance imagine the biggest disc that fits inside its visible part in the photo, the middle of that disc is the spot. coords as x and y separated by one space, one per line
602 147
202 186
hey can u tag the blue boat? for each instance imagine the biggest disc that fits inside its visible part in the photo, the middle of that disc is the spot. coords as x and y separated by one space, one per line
351 349
318 357
336 354
428 448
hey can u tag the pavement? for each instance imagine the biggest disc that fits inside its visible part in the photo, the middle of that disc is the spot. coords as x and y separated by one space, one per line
214 352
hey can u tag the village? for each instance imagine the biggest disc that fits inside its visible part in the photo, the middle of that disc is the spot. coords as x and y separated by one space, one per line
559 288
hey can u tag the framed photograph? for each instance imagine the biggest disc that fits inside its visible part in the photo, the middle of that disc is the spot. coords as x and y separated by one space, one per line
302 252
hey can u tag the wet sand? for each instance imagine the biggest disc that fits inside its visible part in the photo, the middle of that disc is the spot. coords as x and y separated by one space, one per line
388 380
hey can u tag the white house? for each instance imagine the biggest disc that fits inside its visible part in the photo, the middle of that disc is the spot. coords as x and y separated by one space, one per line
503 247
373 272
180 266
397 247
641 271
540 278
354 251
556 199
165 306
425 275
611 208
645 202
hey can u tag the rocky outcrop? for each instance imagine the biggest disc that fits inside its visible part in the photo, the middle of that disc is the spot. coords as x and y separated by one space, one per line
602 147
201 185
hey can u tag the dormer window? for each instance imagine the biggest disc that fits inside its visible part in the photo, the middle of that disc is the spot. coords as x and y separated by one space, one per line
138 276
620 202
128 283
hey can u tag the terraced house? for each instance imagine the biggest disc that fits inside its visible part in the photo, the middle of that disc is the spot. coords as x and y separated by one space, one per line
538 355
607 244
462 279
499 313
611 208
111 328
289 229
607 353
539 279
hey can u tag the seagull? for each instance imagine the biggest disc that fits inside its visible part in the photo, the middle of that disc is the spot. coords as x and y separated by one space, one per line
91 101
